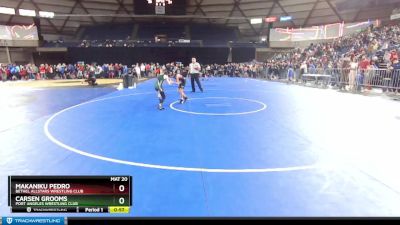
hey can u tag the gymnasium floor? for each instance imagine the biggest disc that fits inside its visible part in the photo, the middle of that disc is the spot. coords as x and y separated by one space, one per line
242 148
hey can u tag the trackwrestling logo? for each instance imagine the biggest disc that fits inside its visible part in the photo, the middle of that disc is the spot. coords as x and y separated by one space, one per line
33 220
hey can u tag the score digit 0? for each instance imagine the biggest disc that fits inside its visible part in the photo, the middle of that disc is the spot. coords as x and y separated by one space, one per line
121 188
121 201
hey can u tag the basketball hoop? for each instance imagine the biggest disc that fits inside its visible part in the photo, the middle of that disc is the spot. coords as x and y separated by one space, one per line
160 2
160 5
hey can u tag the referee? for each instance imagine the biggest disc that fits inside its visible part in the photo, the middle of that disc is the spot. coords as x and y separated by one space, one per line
194 70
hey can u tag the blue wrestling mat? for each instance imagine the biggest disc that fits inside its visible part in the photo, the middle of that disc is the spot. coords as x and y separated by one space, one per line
244 147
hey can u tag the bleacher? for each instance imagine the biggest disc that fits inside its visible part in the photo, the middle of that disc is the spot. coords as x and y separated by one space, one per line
213 35
150 30
121 35
108 31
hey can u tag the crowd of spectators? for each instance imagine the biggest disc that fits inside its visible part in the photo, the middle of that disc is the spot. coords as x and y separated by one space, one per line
349 57
110 43
375 50
127 43
117 70
73 71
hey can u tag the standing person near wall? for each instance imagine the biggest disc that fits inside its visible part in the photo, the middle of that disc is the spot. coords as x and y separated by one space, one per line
29 71
135 77
23 73
194 70
58 71
383 75
35 71
117 71
290 74
104 69
396 76
14 72
81 68
3 73
208 70
110 71
303 70
98 71
42 72
363 65
143 70
137 70
62 71
344 77
353 73
147 69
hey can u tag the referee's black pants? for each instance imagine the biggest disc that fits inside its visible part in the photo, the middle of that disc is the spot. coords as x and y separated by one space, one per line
193 77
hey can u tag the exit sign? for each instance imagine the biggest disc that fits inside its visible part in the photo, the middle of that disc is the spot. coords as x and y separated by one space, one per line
286 18
271 19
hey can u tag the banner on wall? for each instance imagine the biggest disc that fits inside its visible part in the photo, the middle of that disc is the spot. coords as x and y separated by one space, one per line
19 32
323 32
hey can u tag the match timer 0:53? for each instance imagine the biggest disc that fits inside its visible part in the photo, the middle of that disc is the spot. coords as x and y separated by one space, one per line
118 209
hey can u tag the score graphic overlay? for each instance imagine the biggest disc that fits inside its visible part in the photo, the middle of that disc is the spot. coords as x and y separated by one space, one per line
70 194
